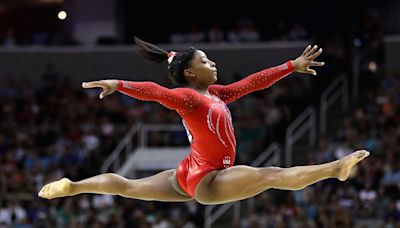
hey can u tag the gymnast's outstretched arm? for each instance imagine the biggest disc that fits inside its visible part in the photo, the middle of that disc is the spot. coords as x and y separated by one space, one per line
265 78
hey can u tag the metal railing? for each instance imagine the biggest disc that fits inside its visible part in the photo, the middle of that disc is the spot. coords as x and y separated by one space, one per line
338 87
113 161
305 121
269 157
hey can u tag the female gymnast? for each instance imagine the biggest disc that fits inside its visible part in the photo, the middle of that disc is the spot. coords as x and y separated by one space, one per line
207 174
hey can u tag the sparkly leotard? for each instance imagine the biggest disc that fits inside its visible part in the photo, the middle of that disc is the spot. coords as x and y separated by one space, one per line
207 120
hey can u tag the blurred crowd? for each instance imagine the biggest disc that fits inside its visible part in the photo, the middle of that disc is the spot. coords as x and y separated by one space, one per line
242 31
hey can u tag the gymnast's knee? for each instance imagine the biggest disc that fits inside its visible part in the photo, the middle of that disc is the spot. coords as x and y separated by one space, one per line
204 195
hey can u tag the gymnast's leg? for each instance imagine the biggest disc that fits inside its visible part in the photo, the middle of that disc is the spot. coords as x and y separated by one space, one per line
161 187
241 182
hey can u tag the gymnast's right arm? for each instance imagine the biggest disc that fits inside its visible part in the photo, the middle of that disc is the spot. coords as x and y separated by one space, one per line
177 99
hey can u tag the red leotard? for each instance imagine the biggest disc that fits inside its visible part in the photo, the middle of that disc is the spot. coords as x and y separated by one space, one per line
207 120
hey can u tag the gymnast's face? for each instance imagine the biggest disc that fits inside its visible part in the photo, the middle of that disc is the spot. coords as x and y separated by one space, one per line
202 71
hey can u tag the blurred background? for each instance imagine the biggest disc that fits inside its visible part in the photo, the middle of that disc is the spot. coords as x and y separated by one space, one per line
51 128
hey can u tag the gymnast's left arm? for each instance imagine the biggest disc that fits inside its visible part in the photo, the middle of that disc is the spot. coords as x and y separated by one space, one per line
265 78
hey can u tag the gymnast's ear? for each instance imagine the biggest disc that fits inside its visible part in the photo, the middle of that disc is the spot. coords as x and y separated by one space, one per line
189 73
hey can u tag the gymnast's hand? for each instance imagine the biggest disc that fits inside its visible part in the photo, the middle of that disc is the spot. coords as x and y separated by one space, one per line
306 60
108 86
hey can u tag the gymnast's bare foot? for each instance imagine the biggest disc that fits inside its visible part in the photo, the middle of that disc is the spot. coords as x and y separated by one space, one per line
56 189
346 164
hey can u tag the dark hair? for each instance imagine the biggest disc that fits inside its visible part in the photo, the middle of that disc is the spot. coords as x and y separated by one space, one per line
180 62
